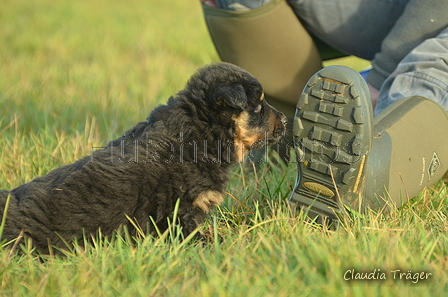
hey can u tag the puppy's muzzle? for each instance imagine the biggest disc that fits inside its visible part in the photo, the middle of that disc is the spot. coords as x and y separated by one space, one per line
281 123
278 122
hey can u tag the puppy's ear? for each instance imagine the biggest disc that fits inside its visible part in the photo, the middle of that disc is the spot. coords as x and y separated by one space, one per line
232 95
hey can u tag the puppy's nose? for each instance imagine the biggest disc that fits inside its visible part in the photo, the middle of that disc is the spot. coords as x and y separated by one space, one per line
284 120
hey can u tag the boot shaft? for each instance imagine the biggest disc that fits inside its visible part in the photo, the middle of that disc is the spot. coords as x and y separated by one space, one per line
409 152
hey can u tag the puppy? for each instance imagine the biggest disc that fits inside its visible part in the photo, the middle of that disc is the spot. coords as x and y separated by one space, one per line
182 152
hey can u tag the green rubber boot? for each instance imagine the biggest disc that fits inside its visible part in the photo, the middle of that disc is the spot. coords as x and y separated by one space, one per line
270 43
345 158
409 153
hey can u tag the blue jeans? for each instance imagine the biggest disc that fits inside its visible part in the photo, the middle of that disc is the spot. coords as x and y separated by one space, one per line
358 27
423 72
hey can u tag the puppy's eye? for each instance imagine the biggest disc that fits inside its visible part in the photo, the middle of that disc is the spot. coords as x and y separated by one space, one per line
257 109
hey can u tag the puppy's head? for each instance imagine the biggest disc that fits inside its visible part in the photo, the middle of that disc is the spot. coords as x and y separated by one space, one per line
229 96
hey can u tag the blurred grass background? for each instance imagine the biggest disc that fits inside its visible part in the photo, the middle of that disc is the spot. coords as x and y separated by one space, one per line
65 60
75 74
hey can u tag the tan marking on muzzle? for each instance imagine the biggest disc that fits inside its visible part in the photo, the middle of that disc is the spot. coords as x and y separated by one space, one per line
207 199
245 137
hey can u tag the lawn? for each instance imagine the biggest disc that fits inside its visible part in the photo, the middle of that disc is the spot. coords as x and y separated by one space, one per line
75 74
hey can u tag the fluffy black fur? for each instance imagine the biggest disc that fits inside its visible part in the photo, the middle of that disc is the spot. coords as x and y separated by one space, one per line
183 151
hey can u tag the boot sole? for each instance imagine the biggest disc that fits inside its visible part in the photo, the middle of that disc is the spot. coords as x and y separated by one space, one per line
332 129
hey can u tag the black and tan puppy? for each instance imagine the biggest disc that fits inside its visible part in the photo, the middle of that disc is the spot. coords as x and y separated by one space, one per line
183 151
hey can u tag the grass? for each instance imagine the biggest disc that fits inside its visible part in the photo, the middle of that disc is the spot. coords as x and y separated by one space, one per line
75 74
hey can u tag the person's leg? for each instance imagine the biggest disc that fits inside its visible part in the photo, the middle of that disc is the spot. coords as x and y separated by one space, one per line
270 43
346 158
423 72
240 4
409 152
355 27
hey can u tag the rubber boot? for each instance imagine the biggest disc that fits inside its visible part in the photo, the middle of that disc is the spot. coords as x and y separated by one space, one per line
346 158
409 153
270 43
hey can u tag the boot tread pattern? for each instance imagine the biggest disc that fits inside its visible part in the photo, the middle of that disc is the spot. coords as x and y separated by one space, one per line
331 135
